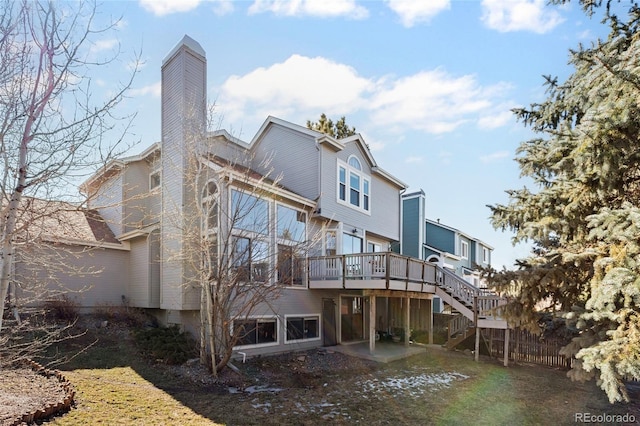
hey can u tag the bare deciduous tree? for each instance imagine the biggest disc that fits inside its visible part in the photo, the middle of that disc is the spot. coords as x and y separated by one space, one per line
241 249
52 129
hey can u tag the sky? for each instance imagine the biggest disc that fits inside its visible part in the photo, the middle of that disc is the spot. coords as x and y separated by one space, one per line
429 84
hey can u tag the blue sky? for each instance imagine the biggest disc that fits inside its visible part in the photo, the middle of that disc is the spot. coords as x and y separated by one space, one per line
429 84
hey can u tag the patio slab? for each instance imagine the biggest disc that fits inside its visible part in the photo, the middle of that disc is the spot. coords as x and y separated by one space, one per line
384 352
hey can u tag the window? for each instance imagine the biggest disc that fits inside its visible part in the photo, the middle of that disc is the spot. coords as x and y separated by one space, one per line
354 189
485 255
330 243
290 266
302 327
154 180
342 191
359 185
256 331
291 224
250 259
373 248
249 213
464 249
351 244
210 205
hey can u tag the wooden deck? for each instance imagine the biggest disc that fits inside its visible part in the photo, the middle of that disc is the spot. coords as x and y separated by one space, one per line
403 276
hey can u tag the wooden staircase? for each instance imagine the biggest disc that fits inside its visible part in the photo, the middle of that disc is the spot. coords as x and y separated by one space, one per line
478 308
460 329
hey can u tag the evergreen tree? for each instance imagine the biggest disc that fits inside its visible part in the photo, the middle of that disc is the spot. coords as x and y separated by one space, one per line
584 213
338 130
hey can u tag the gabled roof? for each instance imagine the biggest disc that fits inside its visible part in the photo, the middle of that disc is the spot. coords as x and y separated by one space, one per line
457 231
60 221
335 144
252 177
114 166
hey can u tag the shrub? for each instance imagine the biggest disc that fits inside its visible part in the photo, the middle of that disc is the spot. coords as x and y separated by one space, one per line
167 344
62 308
134 317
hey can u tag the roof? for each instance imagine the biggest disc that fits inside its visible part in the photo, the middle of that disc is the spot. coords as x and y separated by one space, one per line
256 178
60 221
457 231
335 144
115 165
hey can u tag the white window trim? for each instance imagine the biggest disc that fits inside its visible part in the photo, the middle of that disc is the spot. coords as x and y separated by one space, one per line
485 255
306 225
260 345
153 173
363 176
463 244
314 315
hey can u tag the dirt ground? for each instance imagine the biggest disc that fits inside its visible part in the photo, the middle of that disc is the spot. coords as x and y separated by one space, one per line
24 391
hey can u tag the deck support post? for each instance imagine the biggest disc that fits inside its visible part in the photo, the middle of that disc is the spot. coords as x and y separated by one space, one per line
372 324
506 347
407 318
430 307
475 320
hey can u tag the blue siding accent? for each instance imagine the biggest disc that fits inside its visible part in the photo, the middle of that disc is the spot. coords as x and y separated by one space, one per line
440 238
411 227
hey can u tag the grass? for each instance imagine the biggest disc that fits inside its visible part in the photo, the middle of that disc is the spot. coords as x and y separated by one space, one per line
115 385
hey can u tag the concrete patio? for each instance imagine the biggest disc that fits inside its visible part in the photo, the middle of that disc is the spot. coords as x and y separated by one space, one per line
384 352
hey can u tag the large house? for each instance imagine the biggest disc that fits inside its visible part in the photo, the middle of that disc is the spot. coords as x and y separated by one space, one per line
287 188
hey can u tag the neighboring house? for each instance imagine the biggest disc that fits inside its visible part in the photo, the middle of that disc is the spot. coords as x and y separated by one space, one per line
309 187
435 242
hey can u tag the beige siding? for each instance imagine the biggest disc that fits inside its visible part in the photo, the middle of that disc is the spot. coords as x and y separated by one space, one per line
108 202
291 302
183 94
91 277
294 156
139 288
384 217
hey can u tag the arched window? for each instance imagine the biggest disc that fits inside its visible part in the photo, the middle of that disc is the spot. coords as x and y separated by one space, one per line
355 163
210 205
354 187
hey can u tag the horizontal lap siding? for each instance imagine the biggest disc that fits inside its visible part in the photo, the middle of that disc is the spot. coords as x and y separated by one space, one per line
294 157
136 192
139 294
108 202
411 227
183 95
94 277
384 219
291 302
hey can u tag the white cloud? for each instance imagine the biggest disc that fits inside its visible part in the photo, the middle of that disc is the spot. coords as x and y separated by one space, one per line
496 156
413 160
412 12
493 120
151 89
101 45
520 15
167 7
300 85
319 8
433 101
222 7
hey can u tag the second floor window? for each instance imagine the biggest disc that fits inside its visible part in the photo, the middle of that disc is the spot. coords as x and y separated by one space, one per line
354 187
464 249
154 180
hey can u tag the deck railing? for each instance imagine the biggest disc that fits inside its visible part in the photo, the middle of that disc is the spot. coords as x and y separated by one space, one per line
382 265
392 266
